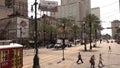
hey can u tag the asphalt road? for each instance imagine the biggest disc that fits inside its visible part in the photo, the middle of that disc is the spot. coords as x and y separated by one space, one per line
52 58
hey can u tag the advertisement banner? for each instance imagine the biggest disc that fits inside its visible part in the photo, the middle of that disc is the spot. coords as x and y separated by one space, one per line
22 27
49 6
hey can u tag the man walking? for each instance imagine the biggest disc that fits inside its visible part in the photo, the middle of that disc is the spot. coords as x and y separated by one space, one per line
79 58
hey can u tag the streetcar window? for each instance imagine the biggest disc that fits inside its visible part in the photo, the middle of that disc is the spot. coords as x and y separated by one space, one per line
4 56
18 52
21 52
12 54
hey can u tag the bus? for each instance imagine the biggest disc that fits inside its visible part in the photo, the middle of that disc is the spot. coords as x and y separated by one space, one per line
11 55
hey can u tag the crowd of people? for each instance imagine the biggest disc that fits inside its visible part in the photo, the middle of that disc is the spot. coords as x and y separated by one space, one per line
92 59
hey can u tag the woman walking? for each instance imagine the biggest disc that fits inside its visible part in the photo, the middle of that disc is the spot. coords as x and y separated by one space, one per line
92 61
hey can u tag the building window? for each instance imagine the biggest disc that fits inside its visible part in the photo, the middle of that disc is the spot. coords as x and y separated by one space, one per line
9 3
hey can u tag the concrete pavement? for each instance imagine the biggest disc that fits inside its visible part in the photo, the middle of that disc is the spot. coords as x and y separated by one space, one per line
51 58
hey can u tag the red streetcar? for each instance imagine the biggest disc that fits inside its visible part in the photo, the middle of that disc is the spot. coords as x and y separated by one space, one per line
11 55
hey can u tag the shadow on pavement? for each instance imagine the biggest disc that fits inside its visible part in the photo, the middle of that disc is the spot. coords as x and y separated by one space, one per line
109 65
79 63
89 50
97 47
59 61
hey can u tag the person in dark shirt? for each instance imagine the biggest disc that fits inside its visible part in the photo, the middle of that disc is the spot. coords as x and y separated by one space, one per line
79 58
92 61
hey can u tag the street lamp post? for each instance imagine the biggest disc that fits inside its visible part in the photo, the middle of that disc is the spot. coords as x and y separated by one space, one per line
36 58
63 46
44 21
51 37
74 33
84 38
21 36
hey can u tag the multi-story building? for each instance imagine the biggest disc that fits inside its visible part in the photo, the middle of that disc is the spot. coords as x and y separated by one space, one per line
13 13
73 9
14 28
12 7
96 11
115 24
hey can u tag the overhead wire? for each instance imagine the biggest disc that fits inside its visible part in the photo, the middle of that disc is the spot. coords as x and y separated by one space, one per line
111 12
108 5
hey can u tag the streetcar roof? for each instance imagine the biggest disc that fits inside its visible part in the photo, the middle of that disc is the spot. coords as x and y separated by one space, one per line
12 45
5 40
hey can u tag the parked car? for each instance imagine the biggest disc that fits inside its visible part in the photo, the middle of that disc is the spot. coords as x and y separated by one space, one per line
58 45
118 41
50 45
82 42
67 43
77 41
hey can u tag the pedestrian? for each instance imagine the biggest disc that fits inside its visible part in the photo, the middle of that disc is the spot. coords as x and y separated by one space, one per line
100 64
100 40
109 49
92 61
79 58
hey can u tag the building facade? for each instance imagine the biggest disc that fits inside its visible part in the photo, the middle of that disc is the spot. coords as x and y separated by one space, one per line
14 28
115 24
73 9
13 7
96 11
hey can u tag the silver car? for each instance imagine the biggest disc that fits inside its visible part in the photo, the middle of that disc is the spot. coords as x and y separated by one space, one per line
57 46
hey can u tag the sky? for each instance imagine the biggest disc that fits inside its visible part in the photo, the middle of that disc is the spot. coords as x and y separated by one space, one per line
109 11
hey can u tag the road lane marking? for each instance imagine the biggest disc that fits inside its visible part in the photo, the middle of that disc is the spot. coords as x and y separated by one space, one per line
43 60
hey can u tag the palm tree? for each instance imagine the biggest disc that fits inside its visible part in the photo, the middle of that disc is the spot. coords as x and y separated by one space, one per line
118 30
66 22
118 33
92 22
